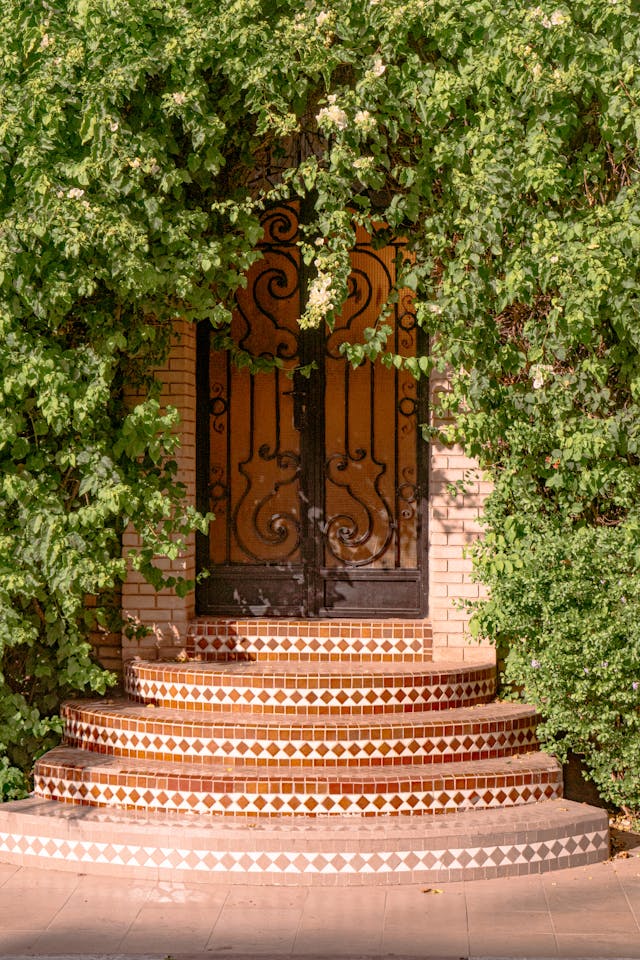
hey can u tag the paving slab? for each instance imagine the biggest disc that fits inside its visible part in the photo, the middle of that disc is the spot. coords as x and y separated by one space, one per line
586 912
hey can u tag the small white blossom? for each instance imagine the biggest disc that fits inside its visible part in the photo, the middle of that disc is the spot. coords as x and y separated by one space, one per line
364 121
114 126
179 98
75 193
320 293
320 300
135 163
45 42
553 259
556 19
332 116
378 67
322 17
363 163
539 372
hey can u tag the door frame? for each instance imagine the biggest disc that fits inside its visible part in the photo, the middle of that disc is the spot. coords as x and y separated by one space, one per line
315 577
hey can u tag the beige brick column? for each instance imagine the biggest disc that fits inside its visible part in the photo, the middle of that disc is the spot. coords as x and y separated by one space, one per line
453 525
165 613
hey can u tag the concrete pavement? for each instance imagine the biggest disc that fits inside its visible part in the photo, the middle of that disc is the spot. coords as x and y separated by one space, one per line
585 912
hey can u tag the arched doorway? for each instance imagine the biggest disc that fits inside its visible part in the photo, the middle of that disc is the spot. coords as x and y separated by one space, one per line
317 482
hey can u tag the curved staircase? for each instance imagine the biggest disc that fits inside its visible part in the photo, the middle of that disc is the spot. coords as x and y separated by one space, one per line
302 752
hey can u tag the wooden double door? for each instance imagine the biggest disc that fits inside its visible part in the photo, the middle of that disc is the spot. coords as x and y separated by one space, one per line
317 481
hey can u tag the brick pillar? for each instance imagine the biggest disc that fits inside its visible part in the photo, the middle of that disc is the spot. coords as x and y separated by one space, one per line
453 525
164 612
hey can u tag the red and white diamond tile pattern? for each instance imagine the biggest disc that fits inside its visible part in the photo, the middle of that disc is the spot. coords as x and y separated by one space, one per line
331 722
419 863
367 640
259 688
422 791
461 734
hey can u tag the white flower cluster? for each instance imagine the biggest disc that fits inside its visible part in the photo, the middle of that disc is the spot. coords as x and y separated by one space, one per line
364 121
320 299
75 193
364 164
557 18
539 373
322 18
321 294
378 67
332 116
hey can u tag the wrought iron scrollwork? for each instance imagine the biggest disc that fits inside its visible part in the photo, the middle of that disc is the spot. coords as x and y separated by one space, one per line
257 519
317 476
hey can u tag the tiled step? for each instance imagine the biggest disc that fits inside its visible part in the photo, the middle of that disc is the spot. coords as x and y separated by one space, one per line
125 729
315 689
343 851
302 752
383 641
79 776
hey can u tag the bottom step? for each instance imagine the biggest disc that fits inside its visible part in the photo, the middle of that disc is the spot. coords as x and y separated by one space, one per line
347 850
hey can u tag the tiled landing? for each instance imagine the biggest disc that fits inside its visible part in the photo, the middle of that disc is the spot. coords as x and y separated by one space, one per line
388 850
365 640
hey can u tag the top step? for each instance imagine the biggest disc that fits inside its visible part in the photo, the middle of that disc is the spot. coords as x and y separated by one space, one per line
383 641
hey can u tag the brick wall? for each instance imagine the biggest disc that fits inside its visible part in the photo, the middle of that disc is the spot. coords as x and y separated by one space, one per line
165 613
453 525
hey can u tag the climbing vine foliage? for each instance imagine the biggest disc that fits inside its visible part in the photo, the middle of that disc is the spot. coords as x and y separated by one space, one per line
139 144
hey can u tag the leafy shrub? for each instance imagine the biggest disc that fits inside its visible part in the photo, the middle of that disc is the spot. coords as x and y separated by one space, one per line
565 613
140 143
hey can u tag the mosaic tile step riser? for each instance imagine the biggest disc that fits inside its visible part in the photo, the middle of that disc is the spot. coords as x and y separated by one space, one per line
211 868
241 758
288 639
120 728
277 805
509 842
298 692
77 776
301 752
207 704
